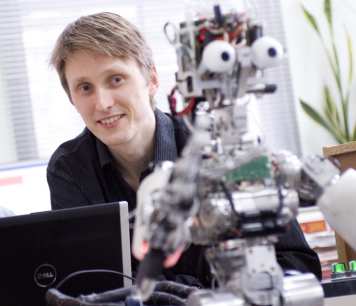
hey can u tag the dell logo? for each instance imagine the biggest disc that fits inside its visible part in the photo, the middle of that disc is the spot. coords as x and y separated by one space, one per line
45 275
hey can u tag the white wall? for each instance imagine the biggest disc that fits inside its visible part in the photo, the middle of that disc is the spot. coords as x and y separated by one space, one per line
7 139
308 64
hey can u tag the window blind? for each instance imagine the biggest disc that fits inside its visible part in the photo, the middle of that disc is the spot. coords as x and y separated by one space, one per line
278 111
39 114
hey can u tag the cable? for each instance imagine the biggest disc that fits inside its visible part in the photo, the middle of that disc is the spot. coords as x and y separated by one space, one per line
229 198
132 214
280 196
68 277
173 104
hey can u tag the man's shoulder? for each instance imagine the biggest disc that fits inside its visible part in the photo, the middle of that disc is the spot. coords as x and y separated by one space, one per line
74 151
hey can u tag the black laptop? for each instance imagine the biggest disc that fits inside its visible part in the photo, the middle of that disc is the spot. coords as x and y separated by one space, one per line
39 251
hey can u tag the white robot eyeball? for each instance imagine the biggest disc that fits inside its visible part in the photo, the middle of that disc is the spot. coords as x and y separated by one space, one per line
218 57
266 52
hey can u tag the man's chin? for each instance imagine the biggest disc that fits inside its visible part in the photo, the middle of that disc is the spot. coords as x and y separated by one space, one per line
116 140
112 136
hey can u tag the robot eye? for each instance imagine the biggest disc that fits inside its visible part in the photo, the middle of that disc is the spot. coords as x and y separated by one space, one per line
272 52
225 56
218 57
266 52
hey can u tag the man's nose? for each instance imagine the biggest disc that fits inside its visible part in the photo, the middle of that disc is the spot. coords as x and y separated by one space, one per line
104 100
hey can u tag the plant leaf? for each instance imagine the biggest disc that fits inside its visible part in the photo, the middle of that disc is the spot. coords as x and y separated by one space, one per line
337 72
354 133
350 54
331 110
314 115
311 19
328 13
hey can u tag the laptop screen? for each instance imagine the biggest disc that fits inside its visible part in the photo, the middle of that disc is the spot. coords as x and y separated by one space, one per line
39 250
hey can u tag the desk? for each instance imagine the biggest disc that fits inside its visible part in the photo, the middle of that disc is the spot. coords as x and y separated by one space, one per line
346 300
340 292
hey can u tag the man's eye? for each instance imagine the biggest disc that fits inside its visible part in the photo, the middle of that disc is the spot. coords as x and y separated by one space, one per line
85 88
116 79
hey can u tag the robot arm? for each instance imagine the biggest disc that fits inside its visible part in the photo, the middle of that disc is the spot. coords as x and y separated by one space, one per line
317 178
335 194
166 208
337 198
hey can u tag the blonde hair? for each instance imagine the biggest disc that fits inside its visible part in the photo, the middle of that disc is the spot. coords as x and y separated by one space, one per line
104 33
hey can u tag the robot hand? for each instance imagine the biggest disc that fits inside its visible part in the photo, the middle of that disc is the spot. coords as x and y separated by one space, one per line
159 238
337 203
165 210
334 194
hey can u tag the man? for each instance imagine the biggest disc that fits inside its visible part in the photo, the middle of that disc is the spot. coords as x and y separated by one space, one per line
107 70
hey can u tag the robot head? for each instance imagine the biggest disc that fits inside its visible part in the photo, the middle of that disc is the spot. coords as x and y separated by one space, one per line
219 58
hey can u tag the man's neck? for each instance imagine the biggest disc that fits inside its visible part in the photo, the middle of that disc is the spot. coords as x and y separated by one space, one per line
132 159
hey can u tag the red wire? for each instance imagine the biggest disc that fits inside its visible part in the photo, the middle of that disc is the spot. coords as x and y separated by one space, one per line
173 105
188 109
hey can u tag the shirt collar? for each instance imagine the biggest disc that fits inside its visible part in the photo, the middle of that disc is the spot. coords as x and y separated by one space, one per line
164 148
104 154
165 143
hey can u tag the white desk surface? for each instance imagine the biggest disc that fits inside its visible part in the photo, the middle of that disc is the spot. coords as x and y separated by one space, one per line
346 300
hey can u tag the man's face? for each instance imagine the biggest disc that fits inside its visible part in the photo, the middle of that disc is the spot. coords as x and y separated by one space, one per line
112 96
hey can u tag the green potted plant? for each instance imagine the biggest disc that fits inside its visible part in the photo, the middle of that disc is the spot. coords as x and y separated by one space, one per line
334 116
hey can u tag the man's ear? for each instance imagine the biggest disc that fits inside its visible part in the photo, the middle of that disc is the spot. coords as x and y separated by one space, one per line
153 81
67 91
73 104
70 100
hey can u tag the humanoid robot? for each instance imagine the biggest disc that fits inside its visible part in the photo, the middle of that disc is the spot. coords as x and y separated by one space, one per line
227 191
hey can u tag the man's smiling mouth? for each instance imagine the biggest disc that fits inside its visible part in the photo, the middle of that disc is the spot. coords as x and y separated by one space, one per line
109 121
